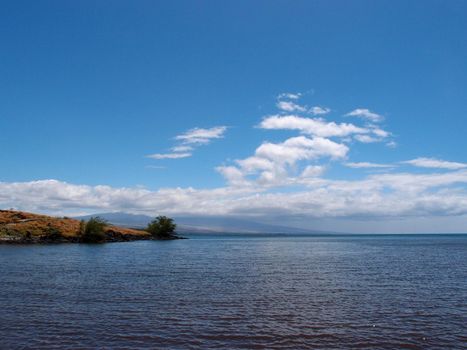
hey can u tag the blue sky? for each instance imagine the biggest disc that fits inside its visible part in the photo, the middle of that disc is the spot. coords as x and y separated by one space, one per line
94 95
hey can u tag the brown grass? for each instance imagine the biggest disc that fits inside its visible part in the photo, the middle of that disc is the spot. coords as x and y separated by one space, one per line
23 223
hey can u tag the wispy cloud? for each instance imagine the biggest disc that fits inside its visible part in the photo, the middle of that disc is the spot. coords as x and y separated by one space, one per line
365 113
363 165
189 140
311 126
289 95
435 163
287 103
289 106
366 138
183 148
169 155
317 110
202 136
160 167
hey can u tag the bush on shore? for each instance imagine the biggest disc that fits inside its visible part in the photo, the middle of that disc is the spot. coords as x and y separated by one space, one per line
93 230
51 233
162 227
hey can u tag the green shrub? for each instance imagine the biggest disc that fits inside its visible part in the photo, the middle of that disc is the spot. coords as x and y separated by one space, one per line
52 233
94 230
82 227
162 227
5 231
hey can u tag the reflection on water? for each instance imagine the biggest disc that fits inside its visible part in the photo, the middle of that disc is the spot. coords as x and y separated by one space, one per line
228 293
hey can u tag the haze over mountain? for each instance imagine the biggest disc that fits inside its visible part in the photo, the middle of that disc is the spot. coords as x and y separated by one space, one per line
202 224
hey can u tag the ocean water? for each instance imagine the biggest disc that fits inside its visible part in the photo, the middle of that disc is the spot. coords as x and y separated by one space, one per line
226 292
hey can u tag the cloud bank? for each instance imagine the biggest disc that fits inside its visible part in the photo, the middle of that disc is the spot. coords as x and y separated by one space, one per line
381 195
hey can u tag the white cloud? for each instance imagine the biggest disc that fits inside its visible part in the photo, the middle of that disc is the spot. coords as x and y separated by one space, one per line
234 176
155 167
202 136
313 171
183 148
290 96
377 135
189 140
251 164
366 114
288 106
169 155
316 110
435 163
360 165
311 126
366 138
299 148
288 162
275 164
379 132
380 195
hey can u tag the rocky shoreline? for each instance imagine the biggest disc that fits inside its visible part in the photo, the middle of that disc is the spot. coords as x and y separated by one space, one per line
66 240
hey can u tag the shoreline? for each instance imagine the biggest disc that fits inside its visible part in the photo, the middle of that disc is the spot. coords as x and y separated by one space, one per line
43 240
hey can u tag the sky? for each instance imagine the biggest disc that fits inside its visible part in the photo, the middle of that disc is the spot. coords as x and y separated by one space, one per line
336 115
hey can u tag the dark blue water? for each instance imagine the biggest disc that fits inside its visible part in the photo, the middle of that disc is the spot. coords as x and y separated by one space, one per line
370 292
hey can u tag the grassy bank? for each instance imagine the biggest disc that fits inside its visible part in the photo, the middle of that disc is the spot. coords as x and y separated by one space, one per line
23 227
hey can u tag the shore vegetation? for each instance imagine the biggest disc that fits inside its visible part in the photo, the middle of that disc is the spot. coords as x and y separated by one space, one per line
162 227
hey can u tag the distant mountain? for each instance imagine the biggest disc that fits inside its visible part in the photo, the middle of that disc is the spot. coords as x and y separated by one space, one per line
121 219
202 224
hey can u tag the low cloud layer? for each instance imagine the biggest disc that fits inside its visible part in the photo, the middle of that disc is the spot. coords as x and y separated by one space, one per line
381 195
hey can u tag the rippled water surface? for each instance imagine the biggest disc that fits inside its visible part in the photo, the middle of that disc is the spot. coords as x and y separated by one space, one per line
237 293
